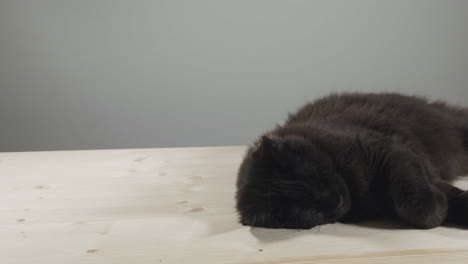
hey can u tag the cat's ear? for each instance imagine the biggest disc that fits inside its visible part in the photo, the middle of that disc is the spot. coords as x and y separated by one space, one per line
268 144
267 148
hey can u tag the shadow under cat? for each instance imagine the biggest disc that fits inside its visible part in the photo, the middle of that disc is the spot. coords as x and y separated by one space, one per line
266 235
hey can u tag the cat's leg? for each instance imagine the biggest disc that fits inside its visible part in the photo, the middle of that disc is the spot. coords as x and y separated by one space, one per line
457 204
414 199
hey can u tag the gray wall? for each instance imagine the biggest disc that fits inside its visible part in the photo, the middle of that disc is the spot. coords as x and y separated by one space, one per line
89 74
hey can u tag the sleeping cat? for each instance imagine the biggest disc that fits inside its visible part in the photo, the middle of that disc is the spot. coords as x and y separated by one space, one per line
354 157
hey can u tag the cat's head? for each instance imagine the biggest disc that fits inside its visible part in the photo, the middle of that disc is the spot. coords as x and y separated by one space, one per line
289 183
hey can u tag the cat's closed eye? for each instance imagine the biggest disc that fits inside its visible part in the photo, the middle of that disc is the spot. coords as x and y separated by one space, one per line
321 186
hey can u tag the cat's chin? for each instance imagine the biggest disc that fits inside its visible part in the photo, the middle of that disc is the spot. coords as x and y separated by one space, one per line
341 214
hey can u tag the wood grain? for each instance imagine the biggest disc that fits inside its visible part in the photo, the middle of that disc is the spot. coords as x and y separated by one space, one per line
175 206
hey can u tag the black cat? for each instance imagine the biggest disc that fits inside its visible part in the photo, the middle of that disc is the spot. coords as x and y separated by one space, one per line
353 157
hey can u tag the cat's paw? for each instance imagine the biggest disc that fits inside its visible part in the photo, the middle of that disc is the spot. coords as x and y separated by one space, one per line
424 209
458 209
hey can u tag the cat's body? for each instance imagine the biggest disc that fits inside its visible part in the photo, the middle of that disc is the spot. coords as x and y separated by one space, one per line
354 157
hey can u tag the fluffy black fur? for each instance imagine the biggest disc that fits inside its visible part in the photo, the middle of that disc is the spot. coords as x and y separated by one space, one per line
353 157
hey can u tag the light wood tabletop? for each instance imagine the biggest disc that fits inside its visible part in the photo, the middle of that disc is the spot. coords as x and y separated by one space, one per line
175 205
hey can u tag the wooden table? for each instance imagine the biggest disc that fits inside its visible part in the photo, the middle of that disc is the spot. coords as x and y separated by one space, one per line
174 206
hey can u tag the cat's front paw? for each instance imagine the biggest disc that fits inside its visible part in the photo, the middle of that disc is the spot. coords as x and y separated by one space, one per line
425 209
458 209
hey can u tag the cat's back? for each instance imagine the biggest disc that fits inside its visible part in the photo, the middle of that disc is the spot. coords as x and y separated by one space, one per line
430 128
386 111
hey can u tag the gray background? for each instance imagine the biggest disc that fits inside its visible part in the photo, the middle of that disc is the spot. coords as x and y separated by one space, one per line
89 74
